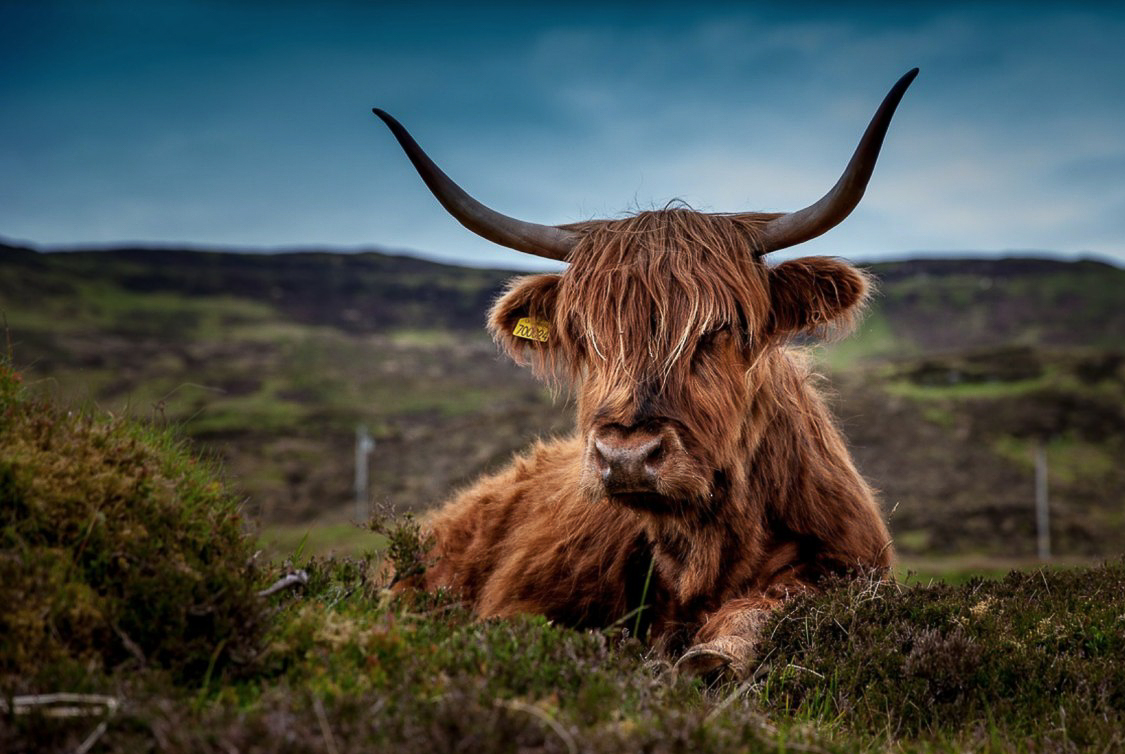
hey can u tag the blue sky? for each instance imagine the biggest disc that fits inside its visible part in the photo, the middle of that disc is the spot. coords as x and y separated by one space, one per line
249 124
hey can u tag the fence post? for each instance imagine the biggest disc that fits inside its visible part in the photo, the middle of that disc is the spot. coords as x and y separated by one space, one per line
364 444
1042 512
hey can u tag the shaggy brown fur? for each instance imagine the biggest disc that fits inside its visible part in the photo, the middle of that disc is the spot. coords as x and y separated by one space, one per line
673 332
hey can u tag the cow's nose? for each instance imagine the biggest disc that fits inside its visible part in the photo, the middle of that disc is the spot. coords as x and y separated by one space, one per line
628 463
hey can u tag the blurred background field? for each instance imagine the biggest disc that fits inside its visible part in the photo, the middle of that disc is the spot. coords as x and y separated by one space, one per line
962 369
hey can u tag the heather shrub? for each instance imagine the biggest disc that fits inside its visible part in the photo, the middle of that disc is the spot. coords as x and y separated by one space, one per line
1038 654
118 547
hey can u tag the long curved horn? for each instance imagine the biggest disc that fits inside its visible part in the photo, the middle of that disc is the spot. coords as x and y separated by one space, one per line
810 222
541 240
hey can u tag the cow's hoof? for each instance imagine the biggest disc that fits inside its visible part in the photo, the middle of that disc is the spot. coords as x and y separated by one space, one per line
702 662
722 659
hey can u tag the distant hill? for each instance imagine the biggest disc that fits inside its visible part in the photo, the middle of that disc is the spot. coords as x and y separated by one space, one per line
951 304
924 304
360 292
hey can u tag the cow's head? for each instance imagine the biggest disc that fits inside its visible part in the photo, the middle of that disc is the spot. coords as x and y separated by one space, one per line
661 321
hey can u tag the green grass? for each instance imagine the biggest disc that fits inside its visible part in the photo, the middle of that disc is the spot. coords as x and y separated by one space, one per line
873 340
423 338
1069 459
389 400
263 412
966 567
99 305
968 390
322 540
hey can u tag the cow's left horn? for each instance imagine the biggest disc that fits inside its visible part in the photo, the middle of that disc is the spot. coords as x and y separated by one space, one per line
810 222
541 240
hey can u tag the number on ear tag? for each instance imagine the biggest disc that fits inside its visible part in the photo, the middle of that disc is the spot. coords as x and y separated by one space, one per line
532 329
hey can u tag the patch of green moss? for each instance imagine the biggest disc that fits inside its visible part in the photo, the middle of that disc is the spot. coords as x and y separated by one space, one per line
117 547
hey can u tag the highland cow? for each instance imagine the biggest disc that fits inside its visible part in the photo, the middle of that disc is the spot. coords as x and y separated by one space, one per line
706 480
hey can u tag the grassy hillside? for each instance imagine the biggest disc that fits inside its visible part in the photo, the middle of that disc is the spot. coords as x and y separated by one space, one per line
270 361
950 441
961 304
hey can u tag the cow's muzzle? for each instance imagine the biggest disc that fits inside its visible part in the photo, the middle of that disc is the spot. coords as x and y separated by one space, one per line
630 461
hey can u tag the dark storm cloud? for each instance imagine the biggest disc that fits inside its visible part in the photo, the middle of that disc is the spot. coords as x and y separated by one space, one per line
249 123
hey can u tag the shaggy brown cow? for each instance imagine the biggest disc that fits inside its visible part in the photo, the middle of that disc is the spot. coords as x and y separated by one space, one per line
706 477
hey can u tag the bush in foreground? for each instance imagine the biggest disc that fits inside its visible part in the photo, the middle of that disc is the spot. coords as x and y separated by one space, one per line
117 548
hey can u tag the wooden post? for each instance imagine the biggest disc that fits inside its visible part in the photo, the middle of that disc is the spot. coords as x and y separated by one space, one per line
1042 512
364 444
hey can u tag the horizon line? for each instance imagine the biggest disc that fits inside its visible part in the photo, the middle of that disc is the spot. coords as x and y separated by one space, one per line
915 255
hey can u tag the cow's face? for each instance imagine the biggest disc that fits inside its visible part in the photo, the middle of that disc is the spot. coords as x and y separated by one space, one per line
660 322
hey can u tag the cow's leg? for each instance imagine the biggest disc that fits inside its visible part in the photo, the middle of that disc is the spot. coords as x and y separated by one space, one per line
727 642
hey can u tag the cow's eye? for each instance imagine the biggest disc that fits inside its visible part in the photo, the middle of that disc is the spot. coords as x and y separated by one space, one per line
712 340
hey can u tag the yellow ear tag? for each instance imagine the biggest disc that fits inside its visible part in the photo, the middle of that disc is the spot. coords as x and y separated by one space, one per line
532 329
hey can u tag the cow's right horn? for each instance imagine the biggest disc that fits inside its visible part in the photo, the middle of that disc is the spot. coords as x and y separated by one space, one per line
833 207
541 240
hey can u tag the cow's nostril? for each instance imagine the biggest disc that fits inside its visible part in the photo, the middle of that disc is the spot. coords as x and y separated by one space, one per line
656 454
601 456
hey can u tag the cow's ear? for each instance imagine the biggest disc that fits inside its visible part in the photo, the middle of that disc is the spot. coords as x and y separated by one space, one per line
815 294
521 320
